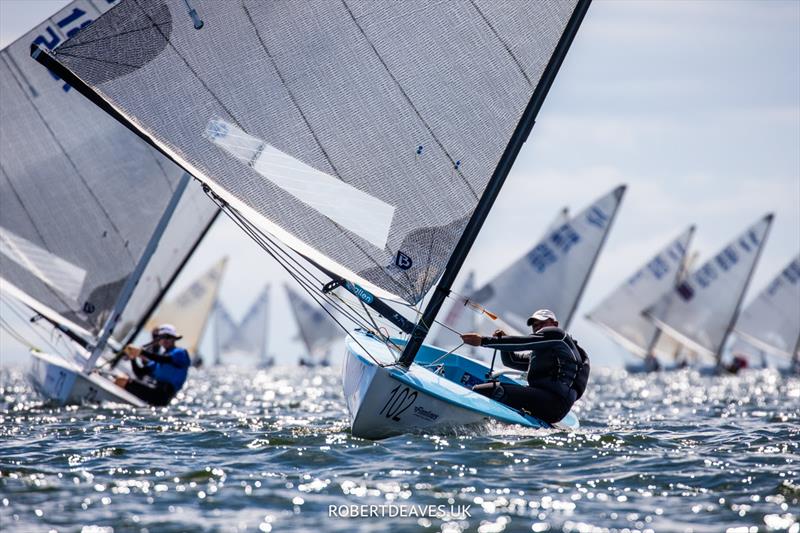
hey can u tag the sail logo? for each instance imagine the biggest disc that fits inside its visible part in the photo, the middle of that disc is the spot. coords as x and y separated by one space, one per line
403 261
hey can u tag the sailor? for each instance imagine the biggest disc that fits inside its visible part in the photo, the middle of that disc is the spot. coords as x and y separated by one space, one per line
558 369
161 370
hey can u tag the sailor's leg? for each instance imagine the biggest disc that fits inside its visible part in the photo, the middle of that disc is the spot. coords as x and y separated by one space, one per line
538 402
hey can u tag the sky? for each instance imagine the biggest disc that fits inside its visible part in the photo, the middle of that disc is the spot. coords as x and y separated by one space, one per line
694 105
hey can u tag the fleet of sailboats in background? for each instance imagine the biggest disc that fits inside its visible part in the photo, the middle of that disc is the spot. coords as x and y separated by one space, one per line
316 329
620 314
701 311
94 224
248 341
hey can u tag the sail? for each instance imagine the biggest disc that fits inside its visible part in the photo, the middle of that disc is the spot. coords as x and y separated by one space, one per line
554 272
620 313
251 334
701 310
225 329
317 329
771 322
363 134
459 317
80 195
190 310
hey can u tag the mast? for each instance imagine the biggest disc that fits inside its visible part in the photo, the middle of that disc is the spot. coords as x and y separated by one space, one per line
154 305
619 191
133 279
678 276
489 196
738 308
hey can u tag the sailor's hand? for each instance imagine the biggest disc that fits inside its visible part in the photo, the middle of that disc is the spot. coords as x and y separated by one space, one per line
473 339
132 351
499 333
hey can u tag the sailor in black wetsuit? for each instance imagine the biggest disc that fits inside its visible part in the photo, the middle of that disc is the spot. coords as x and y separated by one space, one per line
558 369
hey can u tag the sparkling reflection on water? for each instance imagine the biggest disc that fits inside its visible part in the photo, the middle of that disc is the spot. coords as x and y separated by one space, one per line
271 451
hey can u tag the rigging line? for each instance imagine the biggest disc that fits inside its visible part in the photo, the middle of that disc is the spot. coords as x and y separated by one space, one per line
15 335
410 103
26 321
433 363
292 272
55 293
72 164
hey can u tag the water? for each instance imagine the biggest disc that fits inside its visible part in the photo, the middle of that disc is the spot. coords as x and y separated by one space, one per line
271 451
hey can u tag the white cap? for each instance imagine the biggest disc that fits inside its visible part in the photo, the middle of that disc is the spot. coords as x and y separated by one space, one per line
541 315
168 330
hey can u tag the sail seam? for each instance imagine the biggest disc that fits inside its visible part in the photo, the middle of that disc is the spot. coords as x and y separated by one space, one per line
72 164
410 103
508 49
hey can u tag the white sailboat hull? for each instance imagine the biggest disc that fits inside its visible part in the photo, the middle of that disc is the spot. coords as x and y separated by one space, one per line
387 401
64 383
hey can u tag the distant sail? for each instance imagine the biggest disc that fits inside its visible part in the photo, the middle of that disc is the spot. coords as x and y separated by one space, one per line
251 335
190 310
701 310
80 195
555 271
320 131
458 317
620 313
225 329
771 322
318 331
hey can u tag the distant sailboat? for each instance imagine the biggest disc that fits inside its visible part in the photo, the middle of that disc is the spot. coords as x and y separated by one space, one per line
94 224
770 324
552 274
316 328
620 313
360 171
250 338
702 310
191 309
224 328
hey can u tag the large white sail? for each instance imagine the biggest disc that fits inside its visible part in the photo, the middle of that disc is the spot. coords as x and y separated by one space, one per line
317 329
620 313
701 310
190 310
317 127
555 271
80 196
771 322
251 334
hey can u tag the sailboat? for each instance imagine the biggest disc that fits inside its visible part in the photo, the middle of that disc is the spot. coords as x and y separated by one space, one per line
555 271
317 330
770 324
94 224
249 339
361 144
191 309
620 313
224 328
701 311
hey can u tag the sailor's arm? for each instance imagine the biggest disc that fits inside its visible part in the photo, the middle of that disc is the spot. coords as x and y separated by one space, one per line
511 359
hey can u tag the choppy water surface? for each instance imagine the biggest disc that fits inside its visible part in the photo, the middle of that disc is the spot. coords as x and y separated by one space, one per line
271 451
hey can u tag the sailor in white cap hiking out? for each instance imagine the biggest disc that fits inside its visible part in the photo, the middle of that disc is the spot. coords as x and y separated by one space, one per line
558 369
160 370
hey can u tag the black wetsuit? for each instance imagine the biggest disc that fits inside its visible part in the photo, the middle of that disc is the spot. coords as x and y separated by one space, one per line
558 370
